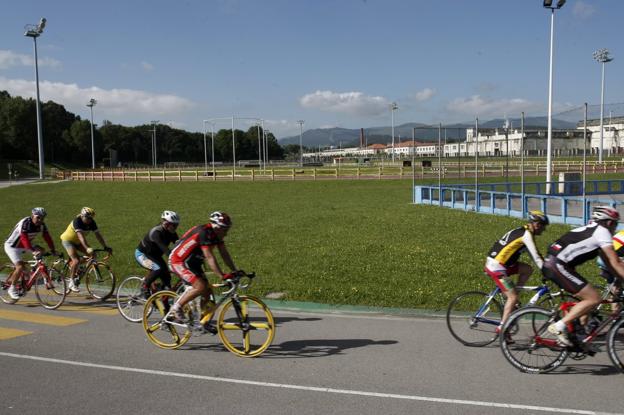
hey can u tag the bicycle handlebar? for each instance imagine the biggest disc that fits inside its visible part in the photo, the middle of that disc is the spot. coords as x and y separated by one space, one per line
235 282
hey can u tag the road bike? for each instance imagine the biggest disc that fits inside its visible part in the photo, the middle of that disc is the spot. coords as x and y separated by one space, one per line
131 299
531 348
49 284
97 274
473 316
244 323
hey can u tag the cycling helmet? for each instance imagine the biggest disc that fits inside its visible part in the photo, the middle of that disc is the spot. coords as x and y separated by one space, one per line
220 220
538 216
39 211
605 213
170 216
87 211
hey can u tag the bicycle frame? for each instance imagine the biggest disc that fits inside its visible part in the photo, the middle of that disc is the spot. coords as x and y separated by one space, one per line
28 277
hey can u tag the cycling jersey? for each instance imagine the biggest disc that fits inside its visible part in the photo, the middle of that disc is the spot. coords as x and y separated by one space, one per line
580 244
188 248
77 225
508 248
25 231
156 242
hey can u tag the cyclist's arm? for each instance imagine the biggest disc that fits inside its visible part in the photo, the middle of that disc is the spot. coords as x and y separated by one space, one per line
100 238
529 242
227 258
25 241
49 241
157 238
211 261
611 258
83 241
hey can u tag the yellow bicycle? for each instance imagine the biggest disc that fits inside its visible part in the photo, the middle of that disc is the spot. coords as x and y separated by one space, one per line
245 324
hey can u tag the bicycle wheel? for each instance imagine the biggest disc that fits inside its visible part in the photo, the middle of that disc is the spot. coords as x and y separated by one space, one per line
527 344
615 344
5 272
50 289
60 267
162 334
472 319
552 303
100 281
246 326
130 301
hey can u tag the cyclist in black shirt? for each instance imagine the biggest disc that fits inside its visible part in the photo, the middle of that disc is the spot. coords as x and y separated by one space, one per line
149 253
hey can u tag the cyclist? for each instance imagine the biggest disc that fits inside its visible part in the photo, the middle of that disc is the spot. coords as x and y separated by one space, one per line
502 262
194 248
607 274
149 253
573 249
20 241
74 240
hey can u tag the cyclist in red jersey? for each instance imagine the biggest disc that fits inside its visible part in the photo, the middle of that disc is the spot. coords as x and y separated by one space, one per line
195 248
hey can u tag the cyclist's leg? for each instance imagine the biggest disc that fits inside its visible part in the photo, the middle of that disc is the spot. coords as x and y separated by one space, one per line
152 266
500 275
15 256
72 253
524 272
193 278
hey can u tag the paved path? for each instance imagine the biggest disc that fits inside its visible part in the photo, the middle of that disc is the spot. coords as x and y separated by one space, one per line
95 362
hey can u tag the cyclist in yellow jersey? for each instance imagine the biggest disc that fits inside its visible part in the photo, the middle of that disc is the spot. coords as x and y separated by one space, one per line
74 240
609 274
502 261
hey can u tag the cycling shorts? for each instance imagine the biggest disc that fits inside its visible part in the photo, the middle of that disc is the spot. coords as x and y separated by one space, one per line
187 274
501 274
15 254
563 275
145 261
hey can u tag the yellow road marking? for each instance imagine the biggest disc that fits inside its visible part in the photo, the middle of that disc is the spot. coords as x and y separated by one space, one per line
6 333
86 308
39 318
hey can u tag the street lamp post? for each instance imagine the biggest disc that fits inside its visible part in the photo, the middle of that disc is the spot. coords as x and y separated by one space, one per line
153 130
602 56
393 107
35 31
91 104
300 122
549 5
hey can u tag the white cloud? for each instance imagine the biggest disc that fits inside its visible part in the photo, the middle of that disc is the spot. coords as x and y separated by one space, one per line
147 66
9 58
118 102
354 103
582 9
480 106
425 94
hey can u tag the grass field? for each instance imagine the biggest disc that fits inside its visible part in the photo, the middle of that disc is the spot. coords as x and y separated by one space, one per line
337 242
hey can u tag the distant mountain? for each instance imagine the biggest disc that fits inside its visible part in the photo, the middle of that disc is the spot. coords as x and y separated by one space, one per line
346 137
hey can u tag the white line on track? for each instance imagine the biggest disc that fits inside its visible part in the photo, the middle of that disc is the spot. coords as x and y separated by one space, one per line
310 388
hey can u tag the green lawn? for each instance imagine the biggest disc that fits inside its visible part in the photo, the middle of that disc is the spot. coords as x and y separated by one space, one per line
338 242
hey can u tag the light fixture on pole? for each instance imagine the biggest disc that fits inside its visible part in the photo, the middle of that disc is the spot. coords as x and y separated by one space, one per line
35 31
153 130
393 107
300 122
602 56
548 4
91 104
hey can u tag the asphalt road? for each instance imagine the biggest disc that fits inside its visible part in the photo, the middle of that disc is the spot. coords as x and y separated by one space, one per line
92 361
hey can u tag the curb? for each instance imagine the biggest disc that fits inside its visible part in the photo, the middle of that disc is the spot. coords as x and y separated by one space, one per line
309 307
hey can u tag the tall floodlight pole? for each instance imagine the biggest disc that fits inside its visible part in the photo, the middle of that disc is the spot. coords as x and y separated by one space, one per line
393 107
35 31
233 151
154 152
602 56
549 5
91 104
300 122
205 149
476 140
259 146
522 163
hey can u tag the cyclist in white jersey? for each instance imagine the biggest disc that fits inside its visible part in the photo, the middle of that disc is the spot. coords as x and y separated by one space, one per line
573 249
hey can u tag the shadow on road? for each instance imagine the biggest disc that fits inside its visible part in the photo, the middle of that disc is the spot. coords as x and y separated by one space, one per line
319 348
280 320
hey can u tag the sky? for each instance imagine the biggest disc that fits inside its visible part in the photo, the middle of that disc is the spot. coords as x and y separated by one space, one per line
337 63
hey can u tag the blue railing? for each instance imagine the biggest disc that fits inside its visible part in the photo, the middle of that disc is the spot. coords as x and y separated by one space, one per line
507 199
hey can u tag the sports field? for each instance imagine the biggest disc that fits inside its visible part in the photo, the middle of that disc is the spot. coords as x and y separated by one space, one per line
338 242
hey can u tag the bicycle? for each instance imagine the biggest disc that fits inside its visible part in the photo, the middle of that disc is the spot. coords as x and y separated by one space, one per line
131 300
98 276
245 324
478 328
50 286
531 348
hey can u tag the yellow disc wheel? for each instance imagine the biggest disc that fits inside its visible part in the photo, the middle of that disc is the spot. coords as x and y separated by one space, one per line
162 334
246 326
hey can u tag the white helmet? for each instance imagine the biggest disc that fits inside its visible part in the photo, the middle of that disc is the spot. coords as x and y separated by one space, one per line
170 216
220 220
605 213
39 211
